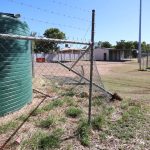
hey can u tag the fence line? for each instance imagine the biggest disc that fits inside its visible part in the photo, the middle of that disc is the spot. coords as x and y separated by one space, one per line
19 37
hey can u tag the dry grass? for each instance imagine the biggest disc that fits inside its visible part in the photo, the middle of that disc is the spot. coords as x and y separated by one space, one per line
117 125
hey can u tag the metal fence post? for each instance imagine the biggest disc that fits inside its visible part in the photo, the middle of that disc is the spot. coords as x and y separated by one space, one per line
91 66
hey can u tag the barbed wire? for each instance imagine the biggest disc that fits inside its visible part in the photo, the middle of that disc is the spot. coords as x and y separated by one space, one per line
52 23
48 11
70 6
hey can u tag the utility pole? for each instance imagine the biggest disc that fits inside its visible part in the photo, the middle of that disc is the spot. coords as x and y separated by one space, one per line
139 45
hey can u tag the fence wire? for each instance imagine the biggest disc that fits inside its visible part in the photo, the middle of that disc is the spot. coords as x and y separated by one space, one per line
145 61
62 75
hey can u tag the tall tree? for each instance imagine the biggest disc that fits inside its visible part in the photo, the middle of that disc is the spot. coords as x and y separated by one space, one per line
49 46
121 44
106 44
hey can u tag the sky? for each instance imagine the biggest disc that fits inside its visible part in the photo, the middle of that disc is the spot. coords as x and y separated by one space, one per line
115 20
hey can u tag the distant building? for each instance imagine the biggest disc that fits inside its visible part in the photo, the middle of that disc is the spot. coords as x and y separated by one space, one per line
100 54
110 54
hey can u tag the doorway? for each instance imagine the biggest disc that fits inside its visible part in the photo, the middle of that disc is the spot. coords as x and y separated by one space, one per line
105 56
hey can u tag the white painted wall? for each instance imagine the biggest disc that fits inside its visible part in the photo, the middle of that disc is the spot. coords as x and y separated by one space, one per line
99 54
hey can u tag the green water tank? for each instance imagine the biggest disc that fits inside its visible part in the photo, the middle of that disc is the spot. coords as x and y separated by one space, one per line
15 66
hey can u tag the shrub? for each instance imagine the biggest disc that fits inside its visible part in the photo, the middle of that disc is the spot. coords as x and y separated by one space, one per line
73 112
98 122
51 141
83 133
46 123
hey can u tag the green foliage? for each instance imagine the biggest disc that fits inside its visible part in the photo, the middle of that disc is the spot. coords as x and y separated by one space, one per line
46 123
125 128
83 133
106 44
52 141
54 33
54 104
22 117
8 127
41 140
73 112
33 142
62 119
98 122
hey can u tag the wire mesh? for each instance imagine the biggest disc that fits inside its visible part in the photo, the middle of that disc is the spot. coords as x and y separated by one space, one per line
145 61
54 76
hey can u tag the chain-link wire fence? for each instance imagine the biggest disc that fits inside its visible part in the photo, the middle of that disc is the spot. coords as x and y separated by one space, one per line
62 76
145 61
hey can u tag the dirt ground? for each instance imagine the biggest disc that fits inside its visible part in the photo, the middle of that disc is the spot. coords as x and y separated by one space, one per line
121 77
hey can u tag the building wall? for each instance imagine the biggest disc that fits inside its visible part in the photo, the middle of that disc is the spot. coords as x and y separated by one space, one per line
61 56
116 55
99 54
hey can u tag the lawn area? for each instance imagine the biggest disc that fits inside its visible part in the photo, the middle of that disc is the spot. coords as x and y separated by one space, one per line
61 123
125 79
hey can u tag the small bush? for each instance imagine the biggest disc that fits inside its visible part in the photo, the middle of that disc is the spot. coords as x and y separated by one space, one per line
83 133
73 112
51 105
33 142
98 122
51 141
46 123
41 140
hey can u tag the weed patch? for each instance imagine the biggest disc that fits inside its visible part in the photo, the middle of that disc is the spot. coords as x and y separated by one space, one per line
46 123
73 112
54 104
98 122
8 126
51 141
83 133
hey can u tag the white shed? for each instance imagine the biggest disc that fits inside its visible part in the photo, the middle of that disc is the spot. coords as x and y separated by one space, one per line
108 54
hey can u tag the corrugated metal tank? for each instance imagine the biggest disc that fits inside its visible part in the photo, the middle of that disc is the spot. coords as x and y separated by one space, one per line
15 66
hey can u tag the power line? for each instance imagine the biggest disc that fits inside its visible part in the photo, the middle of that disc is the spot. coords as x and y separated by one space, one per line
48 11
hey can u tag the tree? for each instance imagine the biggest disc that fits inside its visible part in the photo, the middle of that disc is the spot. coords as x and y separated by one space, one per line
49 46
121 44
106 44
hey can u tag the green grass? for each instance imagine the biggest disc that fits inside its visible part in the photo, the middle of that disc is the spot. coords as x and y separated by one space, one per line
52 141
22 117
62 119
73 112
53 104
83 133
69 101
38 111
46 123
70 93
42 141
8 127
33 142
98 122
125 128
